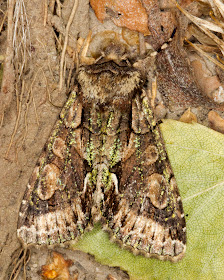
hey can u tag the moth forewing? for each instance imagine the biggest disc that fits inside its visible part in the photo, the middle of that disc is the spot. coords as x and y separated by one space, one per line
106 161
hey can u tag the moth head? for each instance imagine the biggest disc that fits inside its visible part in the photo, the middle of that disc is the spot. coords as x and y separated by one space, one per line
109 84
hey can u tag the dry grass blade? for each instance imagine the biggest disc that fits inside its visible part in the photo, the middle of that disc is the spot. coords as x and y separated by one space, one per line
1 25
220 6
213 6
205 26
219 23
205 54
21 36
201 23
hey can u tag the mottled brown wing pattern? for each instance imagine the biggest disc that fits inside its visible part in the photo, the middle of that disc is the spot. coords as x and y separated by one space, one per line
149 216
53 208
106 161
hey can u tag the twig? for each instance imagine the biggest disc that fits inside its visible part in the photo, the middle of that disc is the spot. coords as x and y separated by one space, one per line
72 66
5 15
59 8
17 267
51 5
2 118
66 42
17 121
21 29
154 92
28 101
20 262
45 12
35 110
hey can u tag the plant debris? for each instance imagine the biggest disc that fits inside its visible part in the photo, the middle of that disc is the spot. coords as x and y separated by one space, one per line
57 269
129 13
216 122
188 117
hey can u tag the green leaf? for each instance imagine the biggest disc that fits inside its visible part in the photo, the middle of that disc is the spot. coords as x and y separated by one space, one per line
197 157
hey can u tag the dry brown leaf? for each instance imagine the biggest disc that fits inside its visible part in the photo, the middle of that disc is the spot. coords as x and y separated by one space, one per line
124 13
210 85
216 122
58 269
188 117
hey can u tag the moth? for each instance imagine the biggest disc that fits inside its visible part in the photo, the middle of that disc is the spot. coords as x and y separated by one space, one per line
105 161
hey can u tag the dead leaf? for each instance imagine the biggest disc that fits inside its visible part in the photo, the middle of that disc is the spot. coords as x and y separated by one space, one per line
210 85
216 122
124 13
58 269
188 117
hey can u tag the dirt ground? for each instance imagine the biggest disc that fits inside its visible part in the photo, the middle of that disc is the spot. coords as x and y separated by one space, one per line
28 121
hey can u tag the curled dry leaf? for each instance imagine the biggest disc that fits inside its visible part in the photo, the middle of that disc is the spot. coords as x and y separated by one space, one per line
216 122
188 117
210 85
58 269
124 13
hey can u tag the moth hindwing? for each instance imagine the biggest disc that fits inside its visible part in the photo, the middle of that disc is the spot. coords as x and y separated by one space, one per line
106 161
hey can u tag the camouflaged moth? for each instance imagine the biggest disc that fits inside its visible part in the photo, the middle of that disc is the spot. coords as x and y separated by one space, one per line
106 162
